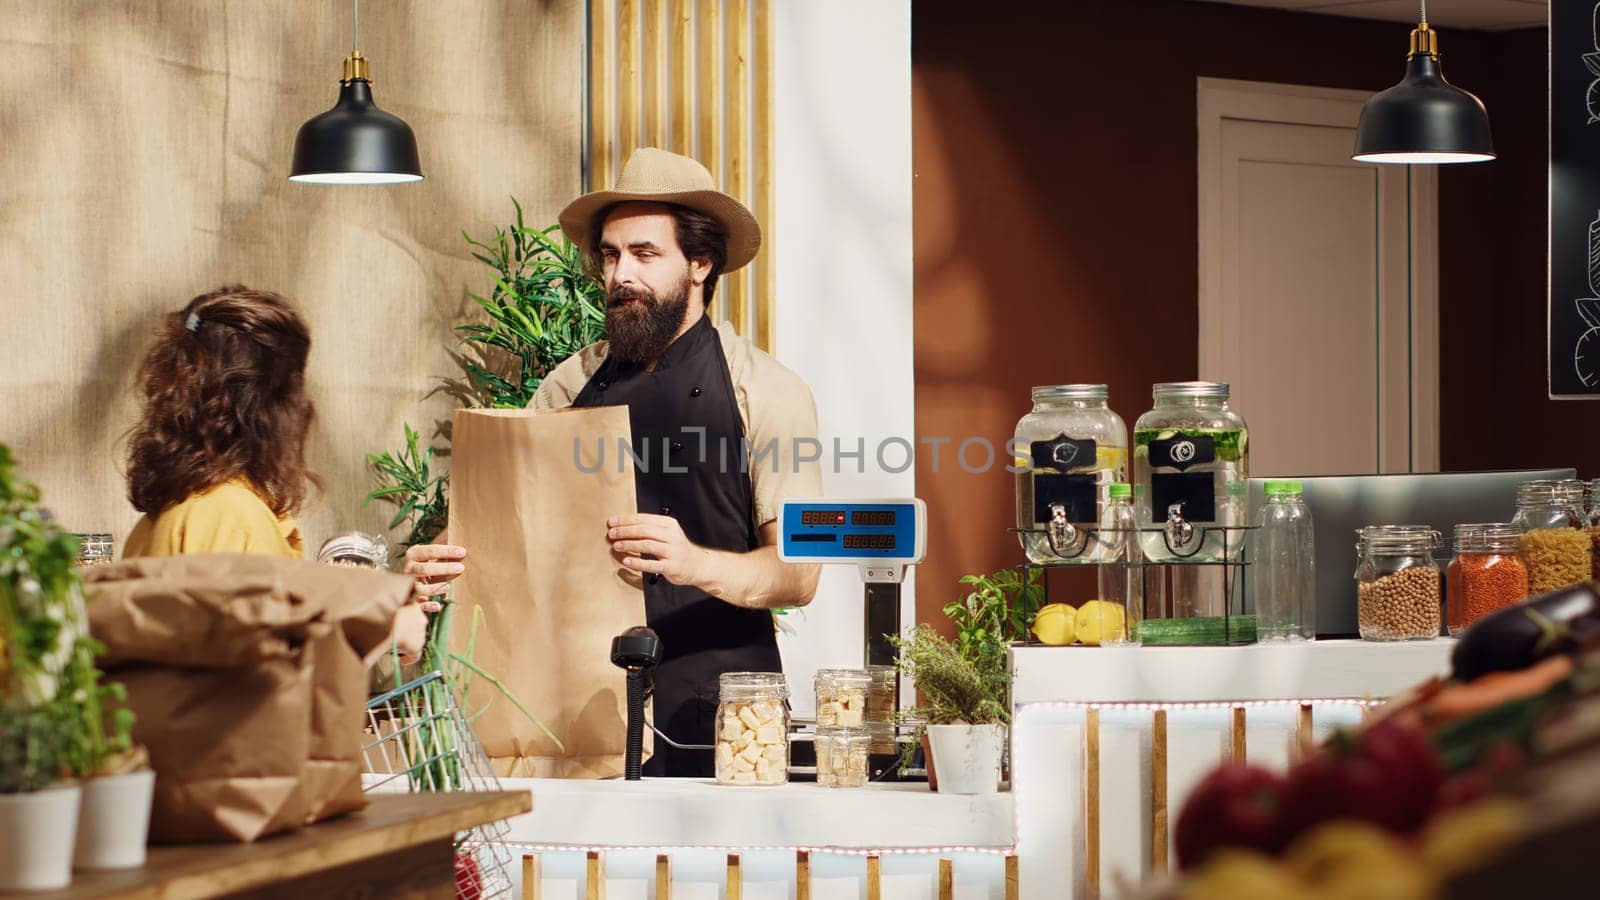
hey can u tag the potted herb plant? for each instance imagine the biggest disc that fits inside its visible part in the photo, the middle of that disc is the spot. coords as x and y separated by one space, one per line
118 783
963 702
41 722
965 683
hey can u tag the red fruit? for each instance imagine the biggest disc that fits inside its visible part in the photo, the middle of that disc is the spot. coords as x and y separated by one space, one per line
469 877
1235 806
1388 775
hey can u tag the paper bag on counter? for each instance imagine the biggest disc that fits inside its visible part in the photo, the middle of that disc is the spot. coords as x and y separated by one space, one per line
245 675
551 593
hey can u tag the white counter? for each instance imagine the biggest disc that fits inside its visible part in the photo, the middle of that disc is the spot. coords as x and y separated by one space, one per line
1127 732
1277 671
693 813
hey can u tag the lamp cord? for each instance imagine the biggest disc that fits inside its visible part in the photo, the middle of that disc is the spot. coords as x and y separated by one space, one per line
357 31
1424 12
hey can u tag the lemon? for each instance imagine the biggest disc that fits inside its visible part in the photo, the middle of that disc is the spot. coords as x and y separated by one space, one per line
1113 458
1099 622
1465 838
1053 624
1241 875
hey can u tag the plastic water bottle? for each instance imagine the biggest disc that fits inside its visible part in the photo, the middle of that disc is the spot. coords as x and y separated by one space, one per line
1121 581
1284 583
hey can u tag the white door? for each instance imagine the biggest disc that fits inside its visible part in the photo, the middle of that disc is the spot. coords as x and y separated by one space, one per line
1317 284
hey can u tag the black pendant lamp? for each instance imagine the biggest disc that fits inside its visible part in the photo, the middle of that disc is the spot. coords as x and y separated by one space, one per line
1423 120
355 142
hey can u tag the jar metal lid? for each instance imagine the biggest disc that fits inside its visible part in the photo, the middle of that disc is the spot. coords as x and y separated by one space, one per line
1398 538
842 733
356 546
861 677
1200 390
1071 392
749 684
1487 537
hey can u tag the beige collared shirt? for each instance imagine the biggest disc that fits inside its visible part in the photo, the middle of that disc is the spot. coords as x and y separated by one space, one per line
779 413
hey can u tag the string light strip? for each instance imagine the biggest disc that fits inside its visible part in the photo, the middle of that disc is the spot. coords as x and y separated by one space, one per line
1135 706
832 851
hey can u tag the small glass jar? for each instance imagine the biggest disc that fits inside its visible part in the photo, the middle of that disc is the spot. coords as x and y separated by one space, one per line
1068 452
1397 583
842 756
842 697
883 707
94 550
1487 573
752 728
1594 503
1191 469
355 548
1556 544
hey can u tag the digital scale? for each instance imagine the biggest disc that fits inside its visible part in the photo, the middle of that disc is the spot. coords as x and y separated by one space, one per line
879 537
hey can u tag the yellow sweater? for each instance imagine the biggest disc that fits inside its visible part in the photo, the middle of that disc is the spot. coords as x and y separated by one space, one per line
229 518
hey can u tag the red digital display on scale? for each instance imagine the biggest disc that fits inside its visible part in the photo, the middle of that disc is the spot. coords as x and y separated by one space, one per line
869 542
872 517
821 517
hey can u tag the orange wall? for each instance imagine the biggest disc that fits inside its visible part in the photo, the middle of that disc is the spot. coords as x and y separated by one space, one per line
1056 238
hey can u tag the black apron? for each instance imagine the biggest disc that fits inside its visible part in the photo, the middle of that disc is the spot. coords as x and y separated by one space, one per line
705 485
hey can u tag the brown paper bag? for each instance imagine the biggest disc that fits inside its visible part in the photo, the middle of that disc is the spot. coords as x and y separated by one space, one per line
551 594
245 675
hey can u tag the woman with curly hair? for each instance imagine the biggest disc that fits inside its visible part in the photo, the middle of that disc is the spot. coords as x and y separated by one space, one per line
217 462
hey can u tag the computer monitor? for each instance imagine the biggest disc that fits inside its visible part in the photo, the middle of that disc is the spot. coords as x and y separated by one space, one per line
1342 504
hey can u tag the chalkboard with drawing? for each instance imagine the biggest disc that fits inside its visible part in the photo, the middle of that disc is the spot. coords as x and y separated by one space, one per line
1574 302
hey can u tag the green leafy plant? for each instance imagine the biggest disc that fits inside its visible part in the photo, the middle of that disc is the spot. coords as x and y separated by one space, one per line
55 717
955 688
543 308
998 610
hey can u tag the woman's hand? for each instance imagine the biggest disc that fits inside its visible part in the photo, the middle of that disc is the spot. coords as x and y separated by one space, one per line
410 632
434 566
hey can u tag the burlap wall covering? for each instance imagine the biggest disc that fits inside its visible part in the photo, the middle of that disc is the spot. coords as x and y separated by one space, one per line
144 154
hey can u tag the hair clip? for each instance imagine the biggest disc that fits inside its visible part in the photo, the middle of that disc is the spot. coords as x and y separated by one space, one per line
193 322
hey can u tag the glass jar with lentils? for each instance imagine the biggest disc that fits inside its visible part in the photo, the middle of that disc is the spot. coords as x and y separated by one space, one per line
1397 583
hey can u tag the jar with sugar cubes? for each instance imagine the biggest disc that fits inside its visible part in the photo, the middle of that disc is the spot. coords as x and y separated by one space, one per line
842 697
842 756
752 728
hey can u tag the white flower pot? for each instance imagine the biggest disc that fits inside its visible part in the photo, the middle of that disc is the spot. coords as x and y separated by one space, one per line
114 821
967 756
36 837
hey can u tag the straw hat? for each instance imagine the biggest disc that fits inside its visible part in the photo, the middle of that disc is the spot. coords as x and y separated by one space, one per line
656 176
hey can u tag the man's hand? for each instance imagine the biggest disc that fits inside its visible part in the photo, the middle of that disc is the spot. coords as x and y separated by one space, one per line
676 558
433 566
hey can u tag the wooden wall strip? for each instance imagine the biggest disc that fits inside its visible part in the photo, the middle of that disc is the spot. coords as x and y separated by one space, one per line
766 288
708 81
655 87
947 880
1013 882
802 875
682 91
1304 736
1091 801
601 91
663 877
531 884
595 877
627 77
1237 746
738 101
1158 790
874 877
735 878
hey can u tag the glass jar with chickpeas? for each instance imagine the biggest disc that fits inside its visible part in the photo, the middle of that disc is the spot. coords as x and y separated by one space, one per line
1397 583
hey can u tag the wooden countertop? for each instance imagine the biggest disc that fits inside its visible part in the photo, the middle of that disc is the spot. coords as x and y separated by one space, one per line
392 825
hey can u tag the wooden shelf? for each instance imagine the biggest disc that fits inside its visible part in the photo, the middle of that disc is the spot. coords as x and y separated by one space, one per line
400 846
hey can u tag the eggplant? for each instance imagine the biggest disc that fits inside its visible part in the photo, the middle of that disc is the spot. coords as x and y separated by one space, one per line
1519 636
